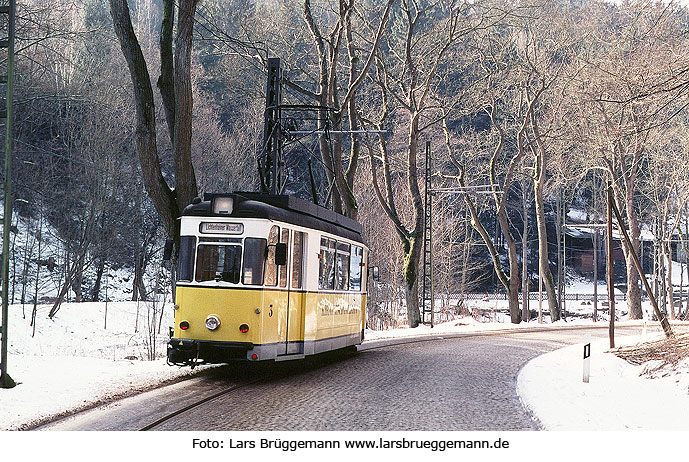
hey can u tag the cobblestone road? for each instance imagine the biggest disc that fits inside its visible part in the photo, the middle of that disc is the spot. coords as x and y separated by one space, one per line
452 384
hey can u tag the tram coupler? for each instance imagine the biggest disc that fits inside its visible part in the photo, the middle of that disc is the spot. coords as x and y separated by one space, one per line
179 354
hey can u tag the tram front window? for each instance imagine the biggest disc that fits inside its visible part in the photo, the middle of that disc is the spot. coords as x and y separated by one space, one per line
254 260
185 263
218 263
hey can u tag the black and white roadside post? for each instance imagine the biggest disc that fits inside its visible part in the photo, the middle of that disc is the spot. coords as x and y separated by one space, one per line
587 357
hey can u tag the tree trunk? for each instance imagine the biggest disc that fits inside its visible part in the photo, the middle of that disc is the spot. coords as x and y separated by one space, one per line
168 203
510 284
69 277
686 262
543 260
628 176
95 292
139 285
595 275
633 291
513 286
411 292
166 80
185 179
525 255
137 275
77 282
28 253
329 51
465 257
681 288
34 311
541 162
413 254
667 254
13 256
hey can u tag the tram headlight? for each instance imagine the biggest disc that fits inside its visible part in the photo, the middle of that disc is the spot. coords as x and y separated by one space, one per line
212 322
223 205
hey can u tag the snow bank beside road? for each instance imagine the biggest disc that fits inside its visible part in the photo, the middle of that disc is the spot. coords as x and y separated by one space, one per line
73 362
52 385
616 398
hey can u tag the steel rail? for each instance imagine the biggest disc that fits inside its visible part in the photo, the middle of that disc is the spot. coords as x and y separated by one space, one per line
201 402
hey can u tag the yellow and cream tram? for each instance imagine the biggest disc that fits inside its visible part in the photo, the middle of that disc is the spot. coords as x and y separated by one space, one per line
266 277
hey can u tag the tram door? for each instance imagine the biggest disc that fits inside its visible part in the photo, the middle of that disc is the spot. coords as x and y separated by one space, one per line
297 298
287 300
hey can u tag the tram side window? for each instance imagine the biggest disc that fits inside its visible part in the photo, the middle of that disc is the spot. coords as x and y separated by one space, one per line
218 263
297 252
326 273
364 279
254 260
271 268
342 266
355 268
185 263
283 269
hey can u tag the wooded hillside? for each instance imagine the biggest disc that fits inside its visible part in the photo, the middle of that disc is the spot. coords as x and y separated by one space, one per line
545 101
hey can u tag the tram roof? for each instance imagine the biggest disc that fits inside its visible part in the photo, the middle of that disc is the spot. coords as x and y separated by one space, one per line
288 209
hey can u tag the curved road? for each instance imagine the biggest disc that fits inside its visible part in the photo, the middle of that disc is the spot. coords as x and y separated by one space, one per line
460 383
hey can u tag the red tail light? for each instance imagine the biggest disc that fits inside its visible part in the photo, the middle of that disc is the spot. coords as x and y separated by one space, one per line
244 328
184 325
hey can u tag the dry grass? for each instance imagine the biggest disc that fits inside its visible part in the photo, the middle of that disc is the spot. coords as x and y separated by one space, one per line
668 350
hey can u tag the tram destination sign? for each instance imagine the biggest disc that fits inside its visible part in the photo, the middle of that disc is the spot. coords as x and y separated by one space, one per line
221 228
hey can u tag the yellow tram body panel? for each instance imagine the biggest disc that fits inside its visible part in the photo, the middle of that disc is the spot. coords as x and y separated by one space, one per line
234 307
274 316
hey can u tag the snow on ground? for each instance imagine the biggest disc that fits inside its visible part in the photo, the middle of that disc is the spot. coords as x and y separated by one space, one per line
579 285
616 398
77 360
112 331
52 385
116 283
465 325
72 362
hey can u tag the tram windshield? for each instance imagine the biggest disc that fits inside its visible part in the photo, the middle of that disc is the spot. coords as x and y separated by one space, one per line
218 263
221 260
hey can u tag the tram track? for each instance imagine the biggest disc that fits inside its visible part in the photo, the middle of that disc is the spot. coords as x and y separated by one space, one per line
274 371
472 376
201 402
258 373
373 345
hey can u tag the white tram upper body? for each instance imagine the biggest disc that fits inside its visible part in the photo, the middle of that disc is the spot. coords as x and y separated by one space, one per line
266 277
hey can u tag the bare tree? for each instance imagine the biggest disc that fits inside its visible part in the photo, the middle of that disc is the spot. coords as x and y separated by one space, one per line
409 82
176 91
625 98
668 186
499 162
